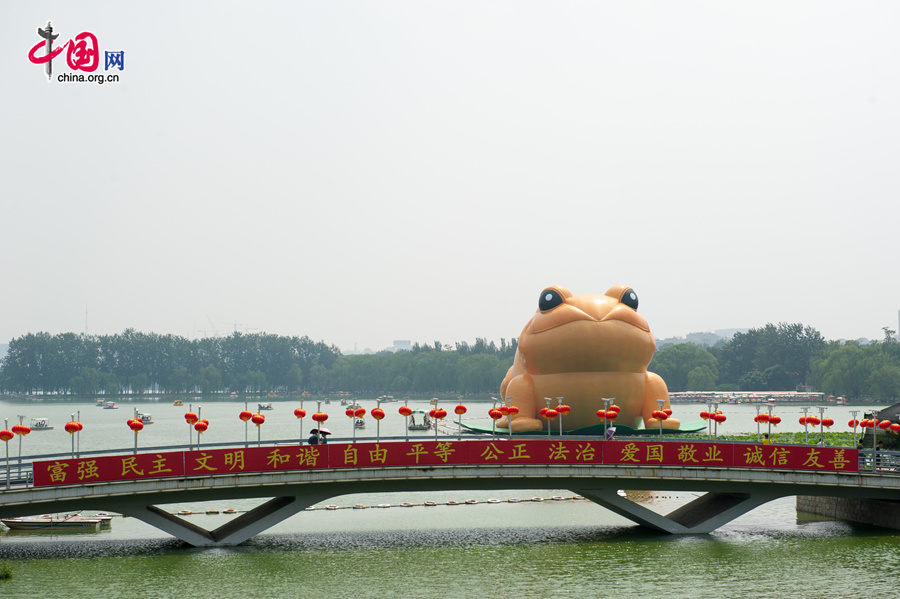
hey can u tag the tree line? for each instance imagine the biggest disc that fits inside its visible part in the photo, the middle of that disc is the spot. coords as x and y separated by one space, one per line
783 357
774 357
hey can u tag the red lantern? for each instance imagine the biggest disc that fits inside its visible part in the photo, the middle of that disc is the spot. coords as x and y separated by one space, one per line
563 409
551 414
601 414
72 427
359 412
610 415
460 410
775 420
504 409
135 424
513 410
895 428
495 414
6 435
21 429
432 412
884 425
763 418
244 415
655 414
258 419
320 416
543 411
405 411
865 423
191 418
201 425
615 408
827 422
719 417
441 413
377 413
668 412
300 413
704 414
812 421
349 412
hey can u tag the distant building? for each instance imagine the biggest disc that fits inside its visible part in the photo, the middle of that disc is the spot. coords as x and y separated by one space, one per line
400 345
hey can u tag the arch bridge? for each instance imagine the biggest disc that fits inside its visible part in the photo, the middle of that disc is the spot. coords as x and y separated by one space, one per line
734 477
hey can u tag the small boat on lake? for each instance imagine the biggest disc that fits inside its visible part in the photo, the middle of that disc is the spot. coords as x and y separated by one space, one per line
177 402
263 406
73 521
422 424
145 418
99 403
359 423
41 424
110 405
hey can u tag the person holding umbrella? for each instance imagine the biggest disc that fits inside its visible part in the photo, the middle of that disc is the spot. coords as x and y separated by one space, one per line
318 436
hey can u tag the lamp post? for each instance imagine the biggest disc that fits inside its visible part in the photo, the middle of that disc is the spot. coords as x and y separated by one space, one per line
5 436
495 415
377 414
855 422
822 425
805 427
405 412
771 405
460 410
300 413
562 409
78 435
715 409
607 402
756 420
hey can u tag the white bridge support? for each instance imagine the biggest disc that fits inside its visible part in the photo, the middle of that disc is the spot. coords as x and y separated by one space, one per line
233 532
702 515
730 492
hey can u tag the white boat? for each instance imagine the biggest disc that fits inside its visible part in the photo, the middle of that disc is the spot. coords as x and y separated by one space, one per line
263 406
99 403
110 405
422 424
359 423
41 424
145 418
77 522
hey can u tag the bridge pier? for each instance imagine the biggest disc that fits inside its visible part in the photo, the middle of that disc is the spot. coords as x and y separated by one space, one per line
231 533
700 516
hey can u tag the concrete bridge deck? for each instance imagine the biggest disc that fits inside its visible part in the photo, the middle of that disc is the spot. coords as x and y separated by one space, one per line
729 491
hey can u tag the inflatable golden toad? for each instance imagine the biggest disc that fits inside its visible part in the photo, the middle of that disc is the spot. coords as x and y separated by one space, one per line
584 348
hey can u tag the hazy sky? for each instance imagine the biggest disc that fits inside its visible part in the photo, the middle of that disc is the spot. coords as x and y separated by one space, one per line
367 171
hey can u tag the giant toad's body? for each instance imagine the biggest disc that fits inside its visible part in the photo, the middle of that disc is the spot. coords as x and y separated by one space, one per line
584 348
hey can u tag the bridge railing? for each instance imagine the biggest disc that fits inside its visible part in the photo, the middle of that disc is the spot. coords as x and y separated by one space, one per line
21 474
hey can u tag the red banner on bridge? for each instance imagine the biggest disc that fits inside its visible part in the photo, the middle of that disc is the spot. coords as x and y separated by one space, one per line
443 453
108 468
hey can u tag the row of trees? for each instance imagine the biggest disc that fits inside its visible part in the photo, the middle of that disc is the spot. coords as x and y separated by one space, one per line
783 357
773 357
134 362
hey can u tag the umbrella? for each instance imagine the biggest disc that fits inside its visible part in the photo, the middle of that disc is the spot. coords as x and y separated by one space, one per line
610 432
320 431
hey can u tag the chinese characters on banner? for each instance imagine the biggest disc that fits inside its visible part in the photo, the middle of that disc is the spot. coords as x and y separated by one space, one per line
440 453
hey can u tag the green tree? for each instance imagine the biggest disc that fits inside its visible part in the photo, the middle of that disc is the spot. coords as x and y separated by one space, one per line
676 362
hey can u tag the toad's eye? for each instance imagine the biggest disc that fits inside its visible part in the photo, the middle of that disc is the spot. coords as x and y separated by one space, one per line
550 298
629 298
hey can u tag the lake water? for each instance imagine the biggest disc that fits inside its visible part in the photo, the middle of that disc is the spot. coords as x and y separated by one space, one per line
551 548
